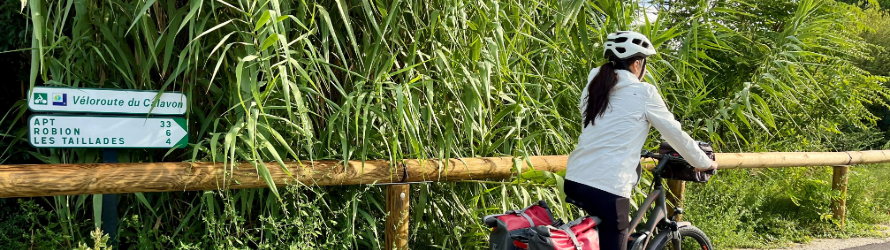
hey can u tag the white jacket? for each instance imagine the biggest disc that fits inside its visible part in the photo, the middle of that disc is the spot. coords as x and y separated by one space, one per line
608 152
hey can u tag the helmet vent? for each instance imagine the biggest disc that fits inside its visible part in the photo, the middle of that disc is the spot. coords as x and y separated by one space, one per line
645 45
637 41
621 39
620 49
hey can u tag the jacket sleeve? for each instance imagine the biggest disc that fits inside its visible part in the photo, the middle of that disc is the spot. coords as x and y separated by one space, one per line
661 118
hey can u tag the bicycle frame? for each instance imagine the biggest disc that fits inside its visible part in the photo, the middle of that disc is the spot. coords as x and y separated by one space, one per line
658 218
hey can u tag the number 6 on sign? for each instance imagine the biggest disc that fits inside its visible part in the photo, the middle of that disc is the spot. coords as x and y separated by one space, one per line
168 132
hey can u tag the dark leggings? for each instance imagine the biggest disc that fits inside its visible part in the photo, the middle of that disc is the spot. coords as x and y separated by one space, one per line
612 209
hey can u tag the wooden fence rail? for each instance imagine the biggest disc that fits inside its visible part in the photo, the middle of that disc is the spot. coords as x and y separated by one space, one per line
109 178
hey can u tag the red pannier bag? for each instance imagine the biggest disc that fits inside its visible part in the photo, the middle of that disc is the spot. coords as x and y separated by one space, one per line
579 234
508 228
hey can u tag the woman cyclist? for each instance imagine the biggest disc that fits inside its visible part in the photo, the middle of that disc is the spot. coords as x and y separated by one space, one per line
618 109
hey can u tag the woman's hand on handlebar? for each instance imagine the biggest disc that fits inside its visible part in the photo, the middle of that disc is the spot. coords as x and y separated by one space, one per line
713 166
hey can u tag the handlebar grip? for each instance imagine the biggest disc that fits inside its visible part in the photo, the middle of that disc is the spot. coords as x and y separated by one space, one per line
662 156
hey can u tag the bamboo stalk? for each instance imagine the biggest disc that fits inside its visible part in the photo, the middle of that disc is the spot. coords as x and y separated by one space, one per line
111 178
479 168
97 178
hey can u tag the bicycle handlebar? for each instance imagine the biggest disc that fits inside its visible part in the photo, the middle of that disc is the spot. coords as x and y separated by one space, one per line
661 157
662 160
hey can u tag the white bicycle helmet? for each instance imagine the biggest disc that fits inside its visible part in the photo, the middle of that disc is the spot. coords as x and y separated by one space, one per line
628 44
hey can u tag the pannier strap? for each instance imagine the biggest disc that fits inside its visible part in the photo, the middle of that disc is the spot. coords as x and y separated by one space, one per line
522 213
571 234
575 222
596 221
530 222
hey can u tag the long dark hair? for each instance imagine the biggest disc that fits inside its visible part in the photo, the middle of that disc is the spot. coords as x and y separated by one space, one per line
600 87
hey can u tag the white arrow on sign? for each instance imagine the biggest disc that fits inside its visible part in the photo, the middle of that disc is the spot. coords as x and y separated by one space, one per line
58 131
54 99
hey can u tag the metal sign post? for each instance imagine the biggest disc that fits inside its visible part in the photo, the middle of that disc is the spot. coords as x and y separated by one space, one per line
109 203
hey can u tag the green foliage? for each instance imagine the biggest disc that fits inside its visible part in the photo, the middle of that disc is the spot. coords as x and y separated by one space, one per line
13 224
100 241
774 207
784 75
13 33
871 203
869 4
358 80
24 224
878 35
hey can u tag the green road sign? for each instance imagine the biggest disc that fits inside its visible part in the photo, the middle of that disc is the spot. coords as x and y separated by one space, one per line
53 99
59 131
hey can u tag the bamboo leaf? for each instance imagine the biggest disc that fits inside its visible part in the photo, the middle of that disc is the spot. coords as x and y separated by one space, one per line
263 20
140 13
144 201
269 42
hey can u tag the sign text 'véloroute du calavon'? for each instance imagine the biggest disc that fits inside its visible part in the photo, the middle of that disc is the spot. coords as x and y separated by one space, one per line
52 99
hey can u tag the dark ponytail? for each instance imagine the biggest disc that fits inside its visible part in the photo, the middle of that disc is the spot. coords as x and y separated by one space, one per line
598 92
600 87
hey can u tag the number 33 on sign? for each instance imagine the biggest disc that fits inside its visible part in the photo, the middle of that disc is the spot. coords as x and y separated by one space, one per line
58 131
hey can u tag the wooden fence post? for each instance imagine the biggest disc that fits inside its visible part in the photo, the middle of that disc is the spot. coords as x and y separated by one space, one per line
677 188
839 182
397 207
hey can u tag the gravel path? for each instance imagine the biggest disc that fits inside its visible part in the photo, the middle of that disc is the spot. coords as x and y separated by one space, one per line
844 244
880 246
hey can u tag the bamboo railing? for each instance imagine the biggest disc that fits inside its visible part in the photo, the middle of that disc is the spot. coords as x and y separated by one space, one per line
109 178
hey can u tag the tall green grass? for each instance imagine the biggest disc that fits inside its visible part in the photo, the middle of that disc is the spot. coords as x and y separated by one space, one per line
360 79
780 206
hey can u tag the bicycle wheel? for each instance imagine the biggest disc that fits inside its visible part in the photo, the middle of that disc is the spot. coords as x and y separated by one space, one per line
691 238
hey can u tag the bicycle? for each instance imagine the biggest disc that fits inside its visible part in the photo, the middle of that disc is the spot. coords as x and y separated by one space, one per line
666 230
